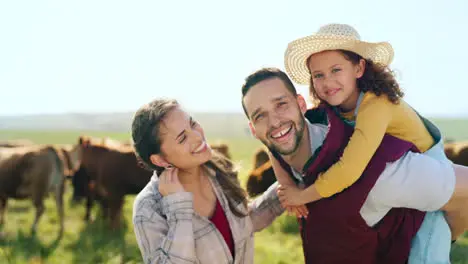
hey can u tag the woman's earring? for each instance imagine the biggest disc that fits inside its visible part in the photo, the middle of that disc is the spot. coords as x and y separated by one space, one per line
170 166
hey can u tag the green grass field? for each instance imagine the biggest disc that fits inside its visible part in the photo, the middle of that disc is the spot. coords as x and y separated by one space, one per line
91 243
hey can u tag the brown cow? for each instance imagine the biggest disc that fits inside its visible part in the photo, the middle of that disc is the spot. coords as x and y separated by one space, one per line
34 172
457 152
223 149
262 175
260 157
108 172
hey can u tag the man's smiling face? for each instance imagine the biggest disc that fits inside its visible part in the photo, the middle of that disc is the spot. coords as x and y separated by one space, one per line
276 115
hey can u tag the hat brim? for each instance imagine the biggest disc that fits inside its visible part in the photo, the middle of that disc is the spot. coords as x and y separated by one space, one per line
298 51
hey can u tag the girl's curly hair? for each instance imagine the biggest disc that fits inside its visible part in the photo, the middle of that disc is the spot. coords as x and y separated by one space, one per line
377 79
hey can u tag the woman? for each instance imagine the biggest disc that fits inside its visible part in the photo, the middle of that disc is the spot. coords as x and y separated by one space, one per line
196 211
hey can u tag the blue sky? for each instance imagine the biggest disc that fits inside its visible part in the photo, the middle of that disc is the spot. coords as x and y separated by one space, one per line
107 56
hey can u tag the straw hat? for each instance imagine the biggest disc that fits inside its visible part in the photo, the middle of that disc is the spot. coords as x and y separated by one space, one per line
331 37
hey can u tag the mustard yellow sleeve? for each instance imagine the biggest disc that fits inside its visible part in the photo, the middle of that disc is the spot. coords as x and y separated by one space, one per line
373 118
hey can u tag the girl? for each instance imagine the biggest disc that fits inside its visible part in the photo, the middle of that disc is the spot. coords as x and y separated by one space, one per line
352 76
196 211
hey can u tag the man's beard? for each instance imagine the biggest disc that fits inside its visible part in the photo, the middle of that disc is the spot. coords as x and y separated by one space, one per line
297 138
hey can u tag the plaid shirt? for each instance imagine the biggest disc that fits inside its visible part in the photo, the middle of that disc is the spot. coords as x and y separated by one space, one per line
168 230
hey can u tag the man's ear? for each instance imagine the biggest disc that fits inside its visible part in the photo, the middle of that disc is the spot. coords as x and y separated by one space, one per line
159 161
302 103
252 130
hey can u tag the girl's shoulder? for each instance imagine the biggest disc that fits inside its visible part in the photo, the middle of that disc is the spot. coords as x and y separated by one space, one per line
149 198
371 100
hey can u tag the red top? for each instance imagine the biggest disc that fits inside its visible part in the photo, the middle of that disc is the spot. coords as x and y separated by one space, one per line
220 221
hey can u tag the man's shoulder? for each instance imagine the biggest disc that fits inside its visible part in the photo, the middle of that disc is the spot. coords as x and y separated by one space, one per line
317 115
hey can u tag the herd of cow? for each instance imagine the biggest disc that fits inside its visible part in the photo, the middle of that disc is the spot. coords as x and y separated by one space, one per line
105 170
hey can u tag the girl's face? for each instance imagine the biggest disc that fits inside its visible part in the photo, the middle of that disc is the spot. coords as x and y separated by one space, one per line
334 78
183 143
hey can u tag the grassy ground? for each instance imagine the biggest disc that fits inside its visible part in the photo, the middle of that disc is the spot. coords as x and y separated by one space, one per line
91 243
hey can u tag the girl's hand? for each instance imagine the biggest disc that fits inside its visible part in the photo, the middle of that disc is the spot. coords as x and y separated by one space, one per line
290 195
298 211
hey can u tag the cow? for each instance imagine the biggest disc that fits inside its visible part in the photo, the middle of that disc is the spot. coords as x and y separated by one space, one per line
262 175
260 158
32 172
109 170
457 152
107 173
223 149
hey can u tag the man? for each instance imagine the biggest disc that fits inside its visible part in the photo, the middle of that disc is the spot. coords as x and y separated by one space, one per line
359 224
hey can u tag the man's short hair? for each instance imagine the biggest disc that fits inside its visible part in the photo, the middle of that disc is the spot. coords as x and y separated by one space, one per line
262 75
